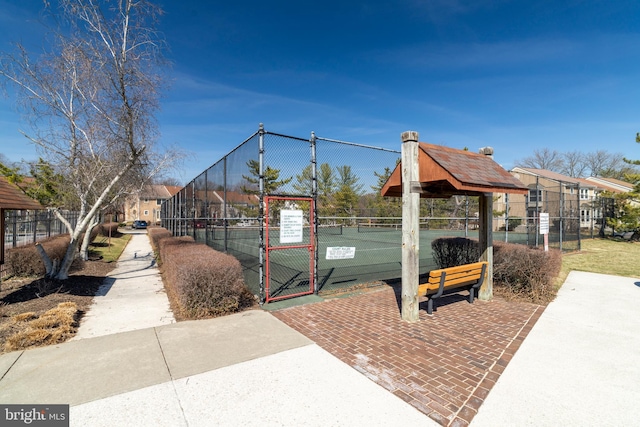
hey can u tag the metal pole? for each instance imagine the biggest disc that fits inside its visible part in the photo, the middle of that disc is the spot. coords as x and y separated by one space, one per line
537 219
206 207
224 206
261 210
578 209
193 209
506 217
561 216
314 195
466 216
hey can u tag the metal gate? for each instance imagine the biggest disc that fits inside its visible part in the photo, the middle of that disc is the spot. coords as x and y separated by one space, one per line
290 243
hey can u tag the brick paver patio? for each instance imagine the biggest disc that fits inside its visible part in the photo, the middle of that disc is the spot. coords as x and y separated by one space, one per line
444 365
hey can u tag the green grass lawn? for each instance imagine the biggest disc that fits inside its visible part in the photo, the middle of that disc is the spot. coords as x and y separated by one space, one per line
606 256
109 248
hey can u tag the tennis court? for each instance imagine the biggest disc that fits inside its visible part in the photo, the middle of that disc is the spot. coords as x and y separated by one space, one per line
367 255
338 187
376 251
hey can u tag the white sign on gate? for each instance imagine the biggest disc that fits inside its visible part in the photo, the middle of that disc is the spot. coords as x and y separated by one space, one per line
341 253
291 226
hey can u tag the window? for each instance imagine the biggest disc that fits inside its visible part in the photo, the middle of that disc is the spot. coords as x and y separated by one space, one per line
158 202
584 194
146 213
145 200
535 196
585 215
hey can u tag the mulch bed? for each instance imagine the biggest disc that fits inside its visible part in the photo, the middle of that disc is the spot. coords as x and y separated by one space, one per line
22 295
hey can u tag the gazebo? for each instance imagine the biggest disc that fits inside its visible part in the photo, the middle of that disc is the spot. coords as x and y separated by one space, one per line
434 171
12 198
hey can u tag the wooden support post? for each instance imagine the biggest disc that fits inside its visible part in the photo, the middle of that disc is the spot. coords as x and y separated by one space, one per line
2 231
486 243
410 226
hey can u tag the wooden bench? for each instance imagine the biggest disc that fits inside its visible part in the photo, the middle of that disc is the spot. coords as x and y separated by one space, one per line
451 280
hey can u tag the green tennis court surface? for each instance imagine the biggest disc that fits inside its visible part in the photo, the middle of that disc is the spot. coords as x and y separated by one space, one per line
377 253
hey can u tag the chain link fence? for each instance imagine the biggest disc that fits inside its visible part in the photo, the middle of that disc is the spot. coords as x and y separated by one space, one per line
358 233
24 227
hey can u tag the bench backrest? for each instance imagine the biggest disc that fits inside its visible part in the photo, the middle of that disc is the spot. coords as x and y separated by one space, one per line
455 277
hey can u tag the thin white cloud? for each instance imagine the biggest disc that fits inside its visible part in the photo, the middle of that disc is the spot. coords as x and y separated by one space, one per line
594 48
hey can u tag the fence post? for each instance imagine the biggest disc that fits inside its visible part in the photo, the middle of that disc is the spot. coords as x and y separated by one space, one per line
2 227
205 204
538 197
225 212
561 208
410 226
261 211
506 217
466 216
193 209
14 242
314 196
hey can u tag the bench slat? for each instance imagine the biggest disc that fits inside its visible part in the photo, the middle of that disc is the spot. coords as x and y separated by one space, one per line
459 268
475 272
455 277
433 287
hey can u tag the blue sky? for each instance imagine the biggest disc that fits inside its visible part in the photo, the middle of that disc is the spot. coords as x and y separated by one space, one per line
514 75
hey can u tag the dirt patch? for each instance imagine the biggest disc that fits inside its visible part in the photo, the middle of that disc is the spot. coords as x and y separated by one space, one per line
37 296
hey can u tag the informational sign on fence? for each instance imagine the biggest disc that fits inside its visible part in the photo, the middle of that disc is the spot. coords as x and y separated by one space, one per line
291 226
341 252
544 223
544 229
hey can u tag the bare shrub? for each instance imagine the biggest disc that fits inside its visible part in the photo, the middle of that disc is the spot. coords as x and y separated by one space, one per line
171 242
25 261
205 282
454 251
521 272
107 229
156 234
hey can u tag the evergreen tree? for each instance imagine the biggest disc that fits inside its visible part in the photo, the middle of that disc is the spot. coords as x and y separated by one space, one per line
272 181
384 206
349 192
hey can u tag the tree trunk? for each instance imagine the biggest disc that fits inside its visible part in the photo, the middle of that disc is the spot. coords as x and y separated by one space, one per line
84 249
62 272
48 265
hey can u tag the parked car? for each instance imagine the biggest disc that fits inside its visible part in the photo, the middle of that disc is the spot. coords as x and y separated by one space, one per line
139 224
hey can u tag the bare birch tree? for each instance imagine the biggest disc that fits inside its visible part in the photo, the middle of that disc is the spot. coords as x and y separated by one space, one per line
573 164
90 99
543 159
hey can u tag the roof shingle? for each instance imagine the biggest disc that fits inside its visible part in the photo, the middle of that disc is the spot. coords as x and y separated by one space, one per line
11 197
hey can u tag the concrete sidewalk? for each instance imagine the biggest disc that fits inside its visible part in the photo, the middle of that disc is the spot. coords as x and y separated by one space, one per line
578 366
244 369
131 365
132 296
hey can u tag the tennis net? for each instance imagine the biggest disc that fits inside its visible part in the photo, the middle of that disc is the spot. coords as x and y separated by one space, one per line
253 232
